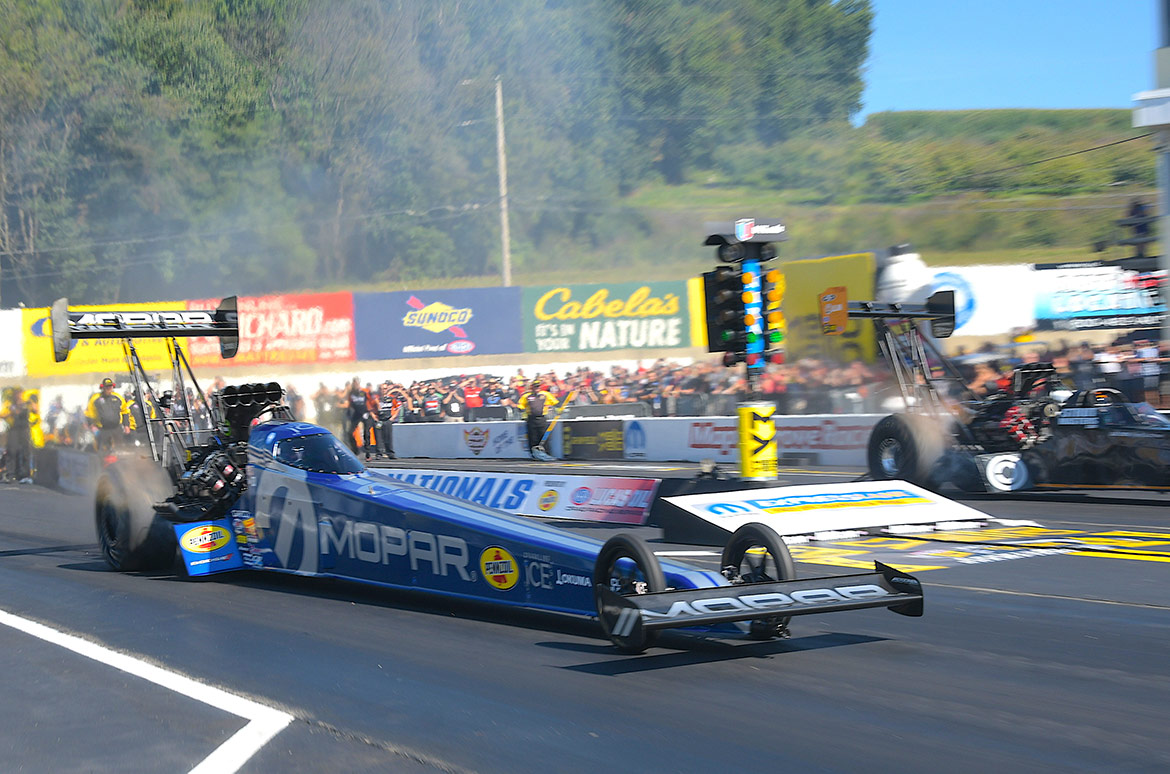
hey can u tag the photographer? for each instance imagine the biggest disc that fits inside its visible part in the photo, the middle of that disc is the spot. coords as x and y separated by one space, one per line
391 407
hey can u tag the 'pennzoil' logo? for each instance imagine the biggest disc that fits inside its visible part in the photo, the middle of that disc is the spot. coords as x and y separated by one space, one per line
205 538
499 568
548 500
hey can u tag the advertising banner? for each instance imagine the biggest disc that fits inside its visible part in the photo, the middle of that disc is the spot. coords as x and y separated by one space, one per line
92 356
437 323
607 316
836 439
989 300
757 441
11 344
280 330
586 498
1097 296
806 280
809 509
462 440
593 439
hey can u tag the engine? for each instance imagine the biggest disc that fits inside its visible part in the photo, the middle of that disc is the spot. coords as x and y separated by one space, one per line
214 476
1021 416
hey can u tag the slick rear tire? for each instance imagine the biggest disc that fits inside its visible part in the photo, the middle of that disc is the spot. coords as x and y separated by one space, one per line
906 447
131 535
755 553
627 566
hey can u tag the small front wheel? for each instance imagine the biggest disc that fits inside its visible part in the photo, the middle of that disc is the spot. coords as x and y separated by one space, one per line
626 566
757 554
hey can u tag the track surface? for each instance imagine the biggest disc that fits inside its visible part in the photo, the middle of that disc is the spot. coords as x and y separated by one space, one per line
1048 663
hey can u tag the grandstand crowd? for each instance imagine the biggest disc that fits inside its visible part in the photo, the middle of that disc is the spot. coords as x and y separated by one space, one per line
1139 368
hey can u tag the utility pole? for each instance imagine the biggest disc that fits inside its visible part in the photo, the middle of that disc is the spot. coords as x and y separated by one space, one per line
502 165
1153 111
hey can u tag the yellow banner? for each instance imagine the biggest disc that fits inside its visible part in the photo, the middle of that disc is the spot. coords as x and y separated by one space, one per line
758 460
807 280
698 307
90 356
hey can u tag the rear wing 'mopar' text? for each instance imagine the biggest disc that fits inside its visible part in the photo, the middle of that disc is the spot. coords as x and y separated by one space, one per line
222 323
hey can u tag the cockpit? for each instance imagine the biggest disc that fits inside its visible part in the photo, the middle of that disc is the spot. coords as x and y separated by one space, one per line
317 453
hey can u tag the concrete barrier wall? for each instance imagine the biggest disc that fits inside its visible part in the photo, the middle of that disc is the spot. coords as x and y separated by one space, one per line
831 439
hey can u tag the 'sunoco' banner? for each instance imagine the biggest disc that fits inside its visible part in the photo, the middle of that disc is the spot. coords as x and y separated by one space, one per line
437 323
584 498
606 316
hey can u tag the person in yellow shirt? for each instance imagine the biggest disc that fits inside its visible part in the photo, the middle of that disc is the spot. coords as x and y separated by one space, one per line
105 412
535 404
36 432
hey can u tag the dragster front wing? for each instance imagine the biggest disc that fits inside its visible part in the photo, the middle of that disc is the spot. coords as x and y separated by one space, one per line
629 618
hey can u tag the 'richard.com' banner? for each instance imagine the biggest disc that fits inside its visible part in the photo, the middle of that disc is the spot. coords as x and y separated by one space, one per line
279 330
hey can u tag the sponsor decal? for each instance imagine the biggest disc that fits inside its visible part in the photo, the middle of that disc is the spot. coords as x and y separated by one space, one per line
793 503
964 295
744 229
827 435
205 538
581 495
88 321
547 500
572 579
774 600
721 436
308 328
499 568
503 492
607 316
460 347
635 441
436 317
375 543
476 439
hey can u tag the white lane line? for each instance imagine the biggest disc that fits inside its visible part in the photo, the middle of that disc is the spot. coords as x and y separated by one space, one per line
263 722
686 553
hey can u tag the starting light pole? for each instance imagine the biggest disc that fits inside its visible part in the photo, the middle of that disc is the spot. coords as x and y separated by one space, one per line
745 322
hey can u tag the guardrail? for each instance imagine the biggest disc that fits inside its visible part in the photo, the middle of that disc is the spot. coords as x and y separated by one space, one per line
826 439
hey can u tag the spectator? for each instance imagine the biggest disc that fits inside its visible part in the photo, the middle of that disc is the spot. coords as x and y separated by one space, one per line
105 413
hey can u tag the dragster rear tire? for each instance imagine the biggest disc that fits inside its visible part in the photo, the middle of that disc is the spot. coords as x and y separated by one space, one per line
905 447
780 568
607 574
131 535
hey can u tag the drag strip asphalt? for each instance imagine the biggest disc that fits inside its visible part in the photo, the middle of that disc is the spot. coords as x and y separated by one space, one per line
1033 656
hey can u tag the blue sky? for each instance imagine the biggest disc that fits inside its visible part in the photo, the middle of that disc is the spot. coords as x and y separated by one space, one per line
977 54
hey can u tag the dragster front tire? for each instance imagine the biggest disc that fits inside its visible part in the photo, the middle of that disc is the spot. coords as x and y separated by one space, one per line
768 559
640 573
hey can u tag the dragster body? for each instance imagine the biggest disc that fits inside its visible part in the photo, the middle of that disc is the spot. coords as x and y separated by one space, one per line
262 492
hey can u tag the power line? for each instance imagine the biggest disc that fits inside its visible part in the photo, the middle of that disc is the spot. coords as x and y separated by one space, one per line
1053 158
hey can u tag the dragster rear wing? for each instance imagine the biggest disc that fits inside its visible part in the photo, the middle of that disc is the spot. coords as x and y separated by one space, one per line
222 323
939 309
629 617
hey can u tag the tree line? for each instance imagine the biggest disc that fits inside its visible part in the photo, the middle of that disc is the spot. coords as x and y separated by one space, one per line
193 148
